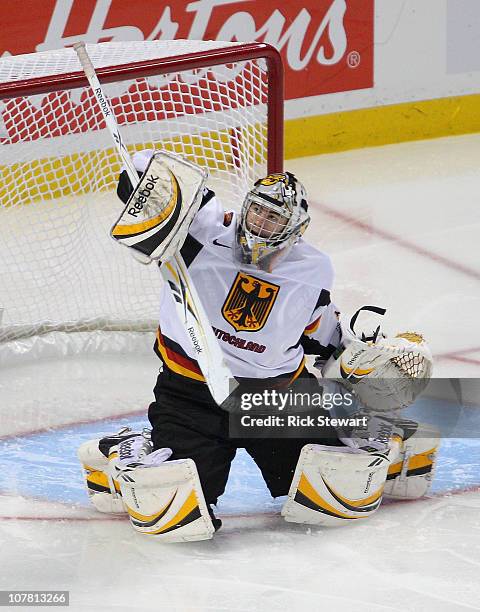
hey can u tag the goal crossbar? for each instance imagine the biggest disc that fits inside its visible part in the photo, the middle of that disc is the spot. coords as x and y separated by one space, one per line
184 62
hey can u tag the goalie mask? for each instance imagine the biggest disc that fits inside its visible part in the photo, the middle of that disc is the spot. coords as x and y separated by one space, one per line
273 217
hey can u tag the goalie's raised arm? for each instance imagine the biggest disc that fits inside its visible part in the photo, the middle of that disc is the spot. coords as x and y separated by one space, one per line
154 224
161 207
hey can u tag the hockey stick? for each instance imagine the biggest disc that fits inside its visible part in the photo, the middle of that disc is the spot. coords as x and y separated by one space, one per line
174 272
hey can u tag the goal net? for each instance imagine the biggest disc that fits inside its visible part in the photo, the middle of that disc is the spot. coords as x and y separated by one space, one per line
217 104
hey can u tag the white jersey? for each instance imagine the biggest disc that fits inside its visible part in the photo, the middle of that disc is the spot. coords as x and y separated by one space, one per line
261 319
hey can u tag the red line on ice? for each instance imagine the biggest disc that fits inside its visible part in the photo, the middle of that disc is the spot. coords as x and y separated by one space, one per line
40 430
80 519
460 355
431 497
410 246
462 359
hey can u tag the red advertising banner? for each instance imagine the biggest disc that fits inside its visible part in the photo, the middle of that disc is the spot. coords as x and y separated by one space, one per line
326 45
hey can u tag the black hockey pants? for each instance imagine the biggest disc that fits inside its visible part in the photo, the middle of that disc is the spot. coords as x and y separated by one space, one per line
185 418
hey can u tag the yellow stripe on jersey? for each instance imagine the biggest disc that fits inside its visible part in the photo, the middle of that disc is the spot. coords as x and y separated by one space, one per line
312 328
298 371
176 362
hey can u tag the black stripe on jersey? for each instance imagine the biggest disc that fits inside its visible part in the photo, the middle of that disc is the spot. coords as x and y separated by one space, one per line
207 195
282 380
323 299
174 346
190 249
313 347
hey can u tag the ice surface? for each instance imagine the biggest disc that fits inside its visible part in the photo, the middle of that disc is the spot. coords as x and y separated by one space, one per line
401 224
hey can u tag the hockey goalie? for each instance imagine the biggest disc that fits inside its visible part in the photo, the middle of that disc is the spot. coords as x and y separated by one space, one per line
266 292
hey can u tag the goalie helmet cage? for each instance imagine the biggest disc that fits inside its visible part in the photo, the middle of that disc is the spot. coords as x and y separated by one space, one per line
218 104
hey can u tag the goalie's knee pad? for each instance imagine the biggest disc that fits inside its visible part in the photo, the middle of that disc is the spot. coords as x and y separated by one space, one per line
410 475
167 501
335 486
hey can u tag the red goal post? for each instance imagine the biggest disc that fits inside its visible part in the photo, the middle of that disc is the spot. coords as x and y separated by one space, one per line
219 104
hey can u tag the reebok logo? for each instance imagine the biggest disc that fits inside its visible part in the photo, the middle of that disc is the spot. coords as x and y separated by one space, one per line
103 103
195 342
354 357
132 490
142 196
369 482
125 449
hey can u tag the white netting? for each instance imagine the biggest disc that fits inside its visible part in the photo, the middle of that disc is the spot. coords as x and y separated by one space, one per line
416 363
60 270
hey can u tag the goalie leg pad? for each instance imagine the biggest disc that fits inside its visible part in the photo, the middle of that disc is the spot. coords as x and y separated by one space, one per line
100 458
335 486
103 490
167 501
411 475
